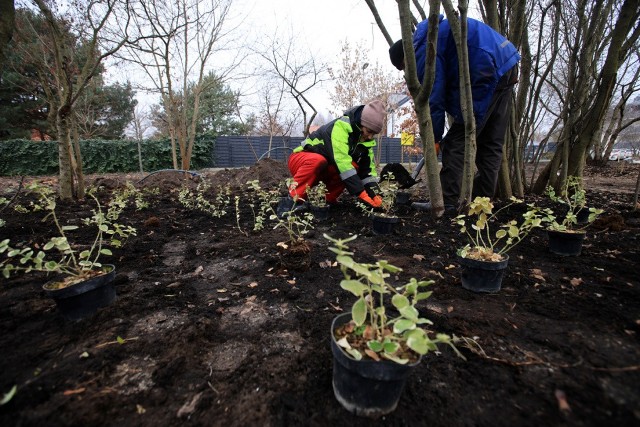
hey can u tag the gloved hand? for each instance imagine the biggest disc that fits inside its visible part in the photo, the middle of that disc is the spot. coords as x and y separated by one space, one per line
372 189
374 202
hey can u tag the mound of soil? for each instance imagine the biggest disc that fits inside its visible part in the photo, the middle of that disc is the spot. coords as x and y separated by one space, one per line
210 328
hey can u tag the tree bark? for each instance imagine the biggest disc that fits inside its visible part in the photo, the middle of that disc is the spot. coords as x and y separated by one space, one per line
459 31
421 94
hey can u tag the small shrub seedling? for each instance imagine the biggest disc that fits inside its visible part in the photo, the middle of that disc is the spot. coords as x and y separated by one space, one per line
399 338
483 243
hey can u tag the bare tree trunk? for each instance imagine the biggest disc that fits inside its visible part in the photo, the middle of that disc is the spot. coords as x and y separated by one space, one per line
71 81
77 163
635 193
65 175
176 42
421 94
459 31
509 152
139 143
597 45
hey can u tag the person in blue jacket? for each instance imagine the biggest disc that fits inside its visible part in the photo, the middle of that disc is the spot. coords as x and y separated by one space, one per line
493 68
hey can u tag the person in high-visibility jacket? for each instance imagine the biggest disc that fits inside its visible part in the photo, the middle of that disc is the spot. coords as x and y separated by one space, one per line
340 154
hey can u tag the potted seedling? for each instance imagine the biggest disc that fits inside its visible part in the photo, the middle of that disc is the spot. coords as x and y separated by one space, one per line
377 344
317 197
385 220
484 259
83 284
566 235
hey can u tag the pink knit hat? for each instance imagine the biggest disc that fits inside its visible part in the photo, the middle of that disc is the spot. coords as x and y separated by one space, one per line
373 116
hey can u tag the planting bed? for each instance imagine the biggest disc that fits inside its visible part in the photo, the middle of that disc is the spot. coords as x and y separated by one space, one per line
213 331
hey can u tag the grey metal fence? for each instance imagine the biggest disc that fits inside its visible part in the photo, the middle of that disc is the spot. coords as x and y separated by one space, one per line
241 151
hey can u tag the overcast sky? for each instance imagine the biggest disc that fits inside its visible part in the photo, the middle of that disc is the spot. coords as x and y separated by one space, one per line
323 24
319 26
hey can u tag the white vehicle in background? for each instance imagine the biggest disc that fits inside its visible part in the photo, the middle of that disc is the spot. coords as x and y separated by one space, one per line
621 154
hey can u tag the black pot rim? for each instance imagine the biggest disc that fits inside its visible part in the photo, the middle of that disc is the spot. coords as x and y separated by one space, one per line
387 219
485 265
78 288
567 232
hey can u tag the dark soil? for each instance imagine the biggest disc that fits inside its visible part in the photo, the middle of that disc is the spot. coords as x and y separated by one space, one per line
209 328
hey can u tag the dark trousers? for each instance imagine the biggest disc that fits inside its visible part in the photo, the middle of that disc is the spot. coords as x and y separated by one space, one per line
489 138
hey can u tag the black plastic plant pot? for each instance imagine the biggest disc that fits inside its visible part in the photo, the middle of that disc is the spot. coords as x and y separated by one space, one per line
83 299
321 213
482 276
565 244
366 388
384 224
403 198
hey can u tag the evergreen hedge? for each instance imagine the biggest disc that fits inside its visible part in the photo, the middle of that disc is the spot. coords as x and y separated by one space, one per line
24 157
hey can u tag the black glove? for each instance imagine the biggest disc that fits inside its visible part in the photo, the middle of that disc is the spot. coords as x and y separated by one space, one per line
372 189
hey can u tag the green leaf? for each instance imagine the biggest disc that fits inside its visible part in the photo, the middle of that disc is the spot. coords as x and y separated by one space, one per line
69 227
105 251
375 345
389 267
119 339
409 312
417 341
359 312
379 289
84 254
423 295
411 287
400 301
423 321
353 286
342 342
500 234
403 325
9 395
391 347
354 353
103 227
345 260
513 231
395 359
376 278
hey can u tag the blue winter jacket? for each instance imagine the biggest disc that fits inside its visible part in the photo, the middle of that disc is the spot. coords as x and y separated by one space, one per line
490 57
